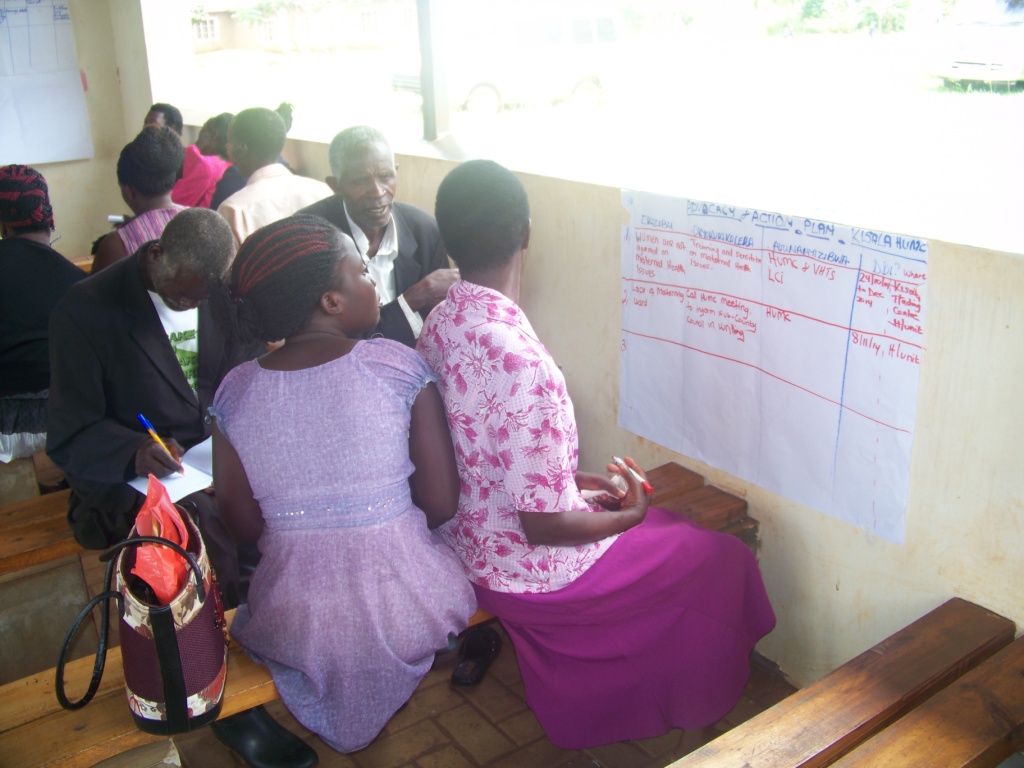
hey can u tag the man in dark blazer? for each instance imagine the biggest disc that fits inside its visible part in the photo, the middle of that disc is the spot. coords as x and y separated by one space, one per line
112 359
139 338
399 242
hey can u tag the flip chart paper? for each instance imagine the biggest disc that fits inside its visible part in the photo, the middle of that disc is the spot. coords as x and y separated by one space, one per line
781 349
43 115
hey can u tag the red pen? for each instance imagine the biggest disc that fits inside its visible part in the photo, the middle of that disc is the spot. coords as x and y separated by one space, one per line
647 486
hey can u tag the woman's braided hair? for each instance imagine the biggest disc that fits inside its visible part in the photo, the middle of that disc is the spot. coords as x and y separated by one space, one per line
279 275
24 199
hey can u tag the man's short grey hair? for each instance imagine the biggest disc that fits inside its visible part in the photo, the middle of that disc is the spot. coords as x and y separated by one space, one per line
356 137
198 240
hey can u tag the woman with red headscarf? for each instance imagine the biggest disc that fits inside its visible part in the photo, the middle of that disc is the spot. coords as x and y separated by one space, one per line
34 278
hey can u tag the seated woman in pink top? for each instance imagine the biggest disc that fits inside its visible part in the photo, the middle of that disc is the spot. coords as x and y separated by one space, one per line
146 171
627 620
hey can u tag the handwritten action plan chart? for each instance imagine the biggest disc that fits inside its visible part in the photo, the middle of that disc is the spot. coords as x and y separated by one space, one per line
43 114
780 349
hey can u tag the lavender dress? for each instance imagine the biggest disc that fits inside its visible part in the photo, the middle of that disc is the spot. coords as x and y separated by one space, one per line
353 594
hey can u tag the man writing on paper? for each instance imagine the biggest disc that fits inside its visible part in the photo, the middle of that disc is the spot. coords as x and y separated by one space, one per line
138 338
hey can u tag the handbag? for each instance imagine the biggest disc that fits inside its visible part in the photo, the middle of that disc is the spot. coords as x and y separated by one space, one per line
174 655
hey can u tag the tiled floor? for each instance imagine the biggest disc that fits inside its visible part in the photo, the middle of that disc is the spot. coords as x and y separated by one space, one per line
488 726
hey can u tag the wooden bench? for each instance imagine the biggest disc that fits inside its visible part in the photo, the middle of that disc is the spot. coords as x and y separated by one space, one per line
670 481
977 721
827 719
35 531
35 731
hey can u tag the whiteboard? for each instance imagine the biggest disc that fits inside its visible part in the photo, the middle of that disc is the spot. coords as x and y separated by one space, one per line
43 115
780 349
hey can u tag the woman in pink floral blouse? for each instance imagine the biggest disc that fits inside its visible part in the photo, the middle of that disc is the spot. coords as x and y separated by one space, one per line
627 621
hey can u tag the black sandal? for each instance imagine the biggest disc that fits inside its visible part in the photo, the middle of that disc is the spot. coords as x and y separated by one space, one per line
480 646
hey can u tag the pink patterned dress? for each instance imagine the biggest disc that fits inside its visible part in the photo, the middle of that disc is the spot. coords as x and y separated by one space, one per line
622 639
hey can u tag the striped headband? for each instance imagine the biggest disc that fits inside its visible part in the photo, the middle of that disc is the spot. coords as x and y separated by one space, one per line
275 246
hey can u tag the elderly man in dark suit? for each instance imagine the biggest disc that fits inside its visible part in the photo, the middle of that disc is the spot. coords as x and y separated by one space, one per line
139 338
399 242
113 355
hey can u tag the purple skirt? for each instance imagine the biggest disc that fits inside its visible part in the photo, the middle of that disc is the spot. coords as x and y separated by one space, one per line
656 635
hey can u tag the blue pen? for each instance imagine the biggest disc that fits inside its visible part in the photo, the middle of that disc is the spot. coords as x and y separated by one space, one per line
152 433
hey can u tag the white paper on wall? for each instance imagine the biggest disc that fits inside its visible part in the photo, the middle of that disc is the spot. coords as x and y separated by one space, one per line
43 115
780 349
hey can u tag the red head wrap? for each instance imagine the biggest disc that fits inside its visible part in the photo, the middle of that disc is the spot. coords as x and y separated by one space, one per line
24 198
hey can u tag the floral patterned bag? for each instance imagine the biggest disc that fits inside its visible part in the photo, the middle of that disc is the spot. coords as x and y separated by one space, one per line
174 655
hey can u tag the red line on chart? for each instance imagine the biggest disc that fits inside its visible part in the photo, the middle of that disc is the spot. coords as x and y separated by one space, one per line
838 326
771 375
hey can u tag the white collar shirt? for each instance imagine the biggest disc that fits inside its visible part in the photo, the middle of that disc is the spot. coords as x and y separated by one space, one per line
382 268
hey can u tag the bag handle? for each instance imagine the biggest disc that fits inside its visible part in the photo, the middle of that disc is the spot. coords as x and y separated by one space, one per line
104 599
101 647
189 558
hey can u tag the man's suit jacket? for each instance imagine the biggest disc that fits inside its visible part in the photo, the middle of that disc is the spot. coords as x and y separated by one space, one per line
420 252
111 360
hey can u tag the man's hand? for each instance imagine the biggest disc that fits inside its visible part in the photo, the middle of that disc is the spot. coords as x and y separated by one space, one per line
151 459
431 290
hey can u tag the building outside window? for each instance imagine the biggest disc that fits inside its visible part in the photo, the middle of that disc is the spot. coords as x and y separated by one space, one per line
205 30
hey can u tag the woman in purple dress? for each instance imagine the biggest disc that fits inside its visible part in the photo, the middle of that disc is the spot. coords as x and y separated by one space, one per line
333 454
627 621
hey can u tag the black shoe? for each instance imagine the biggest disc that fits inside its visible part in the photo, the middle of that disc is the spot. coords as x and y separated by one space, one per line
262 742
448 656
480 647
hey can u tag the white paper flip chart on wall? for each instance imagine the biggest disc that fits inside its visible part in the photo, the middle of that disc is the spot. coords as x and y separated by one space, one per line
43 116
780 349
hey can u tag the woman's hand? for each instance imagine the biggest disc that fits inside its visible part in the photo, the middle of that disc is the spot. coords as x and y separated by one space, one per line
584 526
603 490
635 494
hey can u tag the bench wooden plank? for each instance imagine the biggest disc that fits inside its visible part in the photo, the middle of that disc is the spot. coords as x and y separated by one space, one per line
978 721
35 531
36 732
708 505
671 480
815 725
745 529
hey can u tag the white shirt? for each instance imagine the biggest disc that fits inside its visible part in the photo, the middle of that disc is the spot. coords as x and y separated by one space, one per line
382 268
182 329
